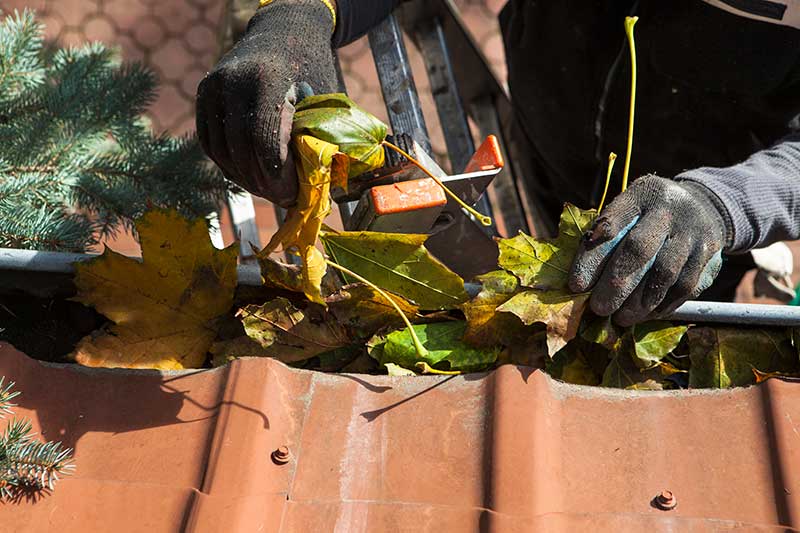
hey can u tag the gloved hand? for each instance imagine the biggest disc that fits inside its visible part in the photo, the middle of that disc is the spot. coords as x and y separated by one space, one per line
656 245
245 105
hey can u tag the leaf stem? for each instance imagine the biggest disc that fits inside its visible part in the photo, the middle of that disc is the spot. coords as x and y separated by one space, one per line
485 220
630 22
611 158
421 351
425 368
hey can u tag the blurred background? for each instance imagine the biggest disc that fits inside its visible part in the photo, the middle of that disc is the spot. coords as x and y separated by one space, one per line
181 39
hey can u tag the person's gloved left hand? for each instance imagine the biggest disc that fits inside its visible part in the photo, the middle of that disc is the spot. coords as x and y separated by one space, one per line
656 245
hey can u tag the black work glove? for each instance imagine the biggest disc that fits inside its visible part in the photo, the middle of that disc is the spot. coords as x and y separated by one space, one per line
656 245
245 105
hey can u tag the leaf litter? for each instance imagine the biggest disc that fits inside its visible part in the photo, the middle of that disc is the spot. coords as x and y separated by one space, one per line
389 305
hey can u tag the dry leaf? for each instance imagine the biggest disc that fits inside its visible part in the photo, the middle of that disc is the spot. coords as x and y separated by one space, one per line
332 139
315 162
623 372
363 311
580 363
545 264
485 326
725 356
561 312
164 308
280 330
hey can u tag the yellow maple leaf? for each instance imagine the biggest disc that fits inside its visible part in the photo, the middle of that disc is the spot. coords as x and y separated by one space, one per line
319 163
163 308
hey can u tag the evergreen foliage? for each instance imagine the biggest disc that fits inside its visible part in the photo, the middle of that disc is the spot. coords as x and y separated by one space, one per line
77 159
26 464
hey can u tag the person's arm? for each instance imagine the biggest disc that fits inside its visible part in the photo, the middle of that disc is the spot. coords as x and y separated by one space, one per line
661 242
760 196
245 105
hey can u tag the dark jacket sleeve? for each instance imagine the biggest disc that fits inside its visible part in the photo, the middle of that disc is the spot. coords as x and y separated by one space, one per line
761 195
357 17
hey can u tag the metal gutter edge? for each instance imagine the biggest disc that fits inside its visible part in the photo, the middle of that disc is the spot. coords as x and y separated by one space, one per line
250 275
63 263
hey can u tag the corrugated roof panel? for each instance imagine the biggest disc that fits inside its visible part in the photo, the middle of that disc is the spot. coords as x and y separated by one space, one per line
511 450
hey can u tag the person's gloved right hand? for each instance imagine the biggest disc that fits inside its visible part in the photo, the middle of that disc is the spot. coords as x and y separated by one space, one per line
245 105
656 245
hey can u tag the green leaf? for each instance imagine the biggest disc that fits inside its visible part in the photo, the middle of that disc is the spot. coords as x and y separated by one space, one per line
363 311
485 326
655 339
446 350
602 331
398 263
280 330
336 119
560 311
395 370
726 357
545 264
624 373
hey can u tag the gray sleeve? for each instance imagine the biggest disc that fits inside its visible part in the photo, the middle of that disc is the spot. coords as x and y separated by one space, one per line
761 195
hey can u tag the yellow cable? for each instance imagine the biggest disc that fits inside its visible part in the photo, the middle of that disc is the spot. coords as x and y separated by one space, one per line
327 3
630 22
485 220
611 158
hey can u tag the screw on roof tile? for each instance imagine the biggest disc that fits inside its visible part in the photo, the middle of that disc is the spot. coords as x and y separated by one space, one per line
281 455
665 501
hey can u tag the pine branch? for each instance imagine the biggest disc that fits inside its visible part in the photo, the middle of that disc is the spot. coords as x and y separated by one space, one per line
77 161
20 44
25 463
6 397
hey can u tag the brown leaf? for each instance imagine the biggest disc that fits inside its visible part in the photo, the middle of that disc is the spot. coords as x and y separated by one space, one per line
485 325
363 311
623 372
561 312
280 330
580 362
